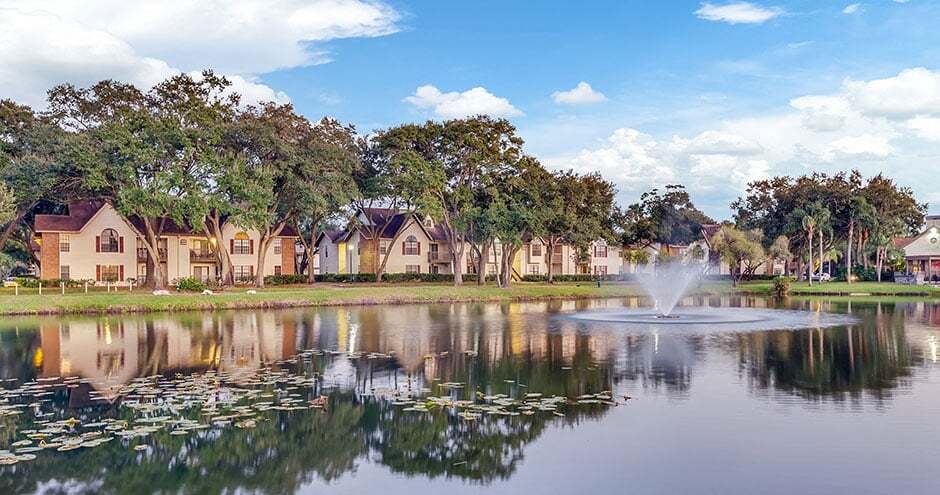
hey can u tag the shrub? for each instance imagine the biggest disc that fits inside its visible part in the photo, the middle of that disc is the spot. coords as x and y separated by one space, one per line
285 279
578 278
190 284
781 285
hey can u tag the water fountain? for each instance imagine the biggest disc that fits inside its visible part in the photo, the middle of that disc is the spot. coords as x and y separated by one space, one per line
670 282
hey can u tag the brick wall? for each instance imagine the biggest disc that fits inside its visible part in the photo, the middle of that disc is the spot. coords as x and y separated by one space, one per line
49 256
287 256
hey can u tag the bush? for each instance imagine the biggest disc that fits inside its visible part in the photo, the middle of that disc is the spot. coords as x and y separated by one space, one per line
781 285
285 279
190 284
578 278
864 275
33 282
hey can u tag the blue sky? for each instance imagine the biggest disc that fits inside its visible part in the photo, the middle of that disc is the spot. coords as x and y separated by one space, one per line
708 94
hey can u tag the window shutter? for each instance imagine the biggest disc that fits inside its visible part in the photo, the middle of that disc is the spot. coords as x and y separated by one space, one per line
98 273
419 249
251 246
231 246
403 248
121 270
97 243
121 244
251 270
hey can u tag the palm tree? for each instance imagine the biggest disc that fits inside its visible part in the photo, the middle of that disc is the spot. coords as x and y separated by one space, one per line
809 225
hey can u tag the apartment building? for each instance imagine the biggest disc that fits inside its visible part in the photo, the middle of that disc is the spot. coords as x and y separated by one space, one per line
417 245
95 242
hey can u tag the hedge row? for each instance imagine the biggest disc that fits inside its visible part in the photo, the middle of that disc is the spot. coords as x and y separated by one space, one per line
578 278
367 277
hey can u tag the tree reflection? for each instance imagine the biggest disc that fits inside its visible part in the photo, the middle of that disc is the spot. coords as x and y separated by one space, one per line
871 357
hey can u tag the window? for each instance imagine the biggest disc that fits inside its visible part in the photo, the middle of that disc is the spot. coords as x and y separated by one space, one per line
243 273
110 273
64 243
600 270
535 250
277 270
412 268
277 246
533 269
241 244
491 269
109 241
141 273
600 250
64 272
411 247
383 247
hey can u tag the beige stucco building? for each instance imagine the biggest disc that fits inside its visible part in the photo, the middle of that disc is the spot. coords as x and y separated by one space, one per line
94 242
417 245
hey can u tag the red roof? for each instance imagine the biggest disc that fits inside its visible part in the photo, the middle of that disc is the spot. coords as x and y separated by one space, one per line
902 242
80 212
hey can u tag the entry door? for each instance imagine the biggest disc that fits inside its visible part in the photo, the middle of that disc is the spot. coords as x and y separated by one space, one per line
201 273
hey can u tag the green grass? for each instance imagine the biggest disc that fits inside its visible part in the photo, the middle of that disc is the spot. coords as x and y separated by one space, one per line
317 295
844 289
99 302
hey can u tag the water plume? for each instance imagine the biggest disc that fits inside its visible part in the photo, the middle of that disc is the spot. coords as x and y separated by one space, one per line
669 283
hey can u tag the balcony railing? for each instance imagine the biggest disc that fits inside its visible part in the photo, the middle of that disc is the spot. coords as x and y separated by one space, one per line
438 257
143 256
202 256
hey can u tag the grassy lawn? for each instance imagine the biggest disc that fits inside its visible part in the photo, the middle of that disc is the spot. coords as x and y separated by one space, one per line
52 302
97 302
844 289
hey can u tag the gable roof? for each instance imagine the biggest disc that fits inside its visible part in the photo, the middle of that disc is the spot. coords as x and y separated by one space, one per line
902 242
396 221
709 230
80 212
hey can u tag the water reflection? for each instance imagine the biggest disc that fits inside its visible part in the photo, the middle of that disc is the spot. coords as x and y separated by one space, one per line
510 349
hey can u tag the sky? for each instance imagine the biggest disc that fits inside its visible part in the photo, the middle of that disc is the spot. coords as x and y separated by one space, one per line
711 95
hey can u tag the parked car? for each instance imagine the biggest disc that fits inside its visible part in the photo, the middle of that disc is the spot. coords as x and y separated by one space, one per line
822 277
9 282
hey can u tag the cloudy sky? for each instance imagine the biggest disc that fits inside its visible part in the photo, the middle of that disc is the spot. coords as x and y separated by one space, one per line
708 94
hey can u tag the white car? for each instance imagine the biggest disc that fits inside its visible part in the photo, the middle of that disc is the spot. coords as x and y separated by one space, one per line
823 277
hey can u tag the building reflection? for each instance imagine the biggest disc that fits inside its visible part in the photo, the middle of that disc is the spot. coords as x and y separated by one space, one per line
468 342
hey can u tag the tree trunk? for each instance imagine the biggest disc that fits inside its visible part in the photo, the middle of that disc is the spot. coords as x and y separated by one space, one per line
263 243
509 256
820 254
481 263
214 230
848 253
151 242
549 252
308 249
10 227
810 257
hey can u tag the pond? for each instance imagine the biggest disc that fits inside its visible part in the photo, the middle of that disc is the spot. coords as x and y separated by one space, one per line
541 397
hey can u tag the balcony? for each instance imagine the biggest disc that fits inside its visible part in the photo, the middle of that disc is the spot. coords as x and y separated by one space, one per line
202 256
438 257
142 255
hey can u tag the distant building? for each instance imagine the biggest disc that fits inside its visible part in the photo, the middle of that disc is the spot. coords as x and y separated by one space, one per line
922 252
94 242
415 244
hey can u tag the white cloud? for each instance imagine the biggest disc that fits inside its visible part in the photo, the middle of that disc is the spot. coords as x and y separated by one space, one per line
887 125
476 101
738 13
47 42
851 8
926 127
912 92
581 94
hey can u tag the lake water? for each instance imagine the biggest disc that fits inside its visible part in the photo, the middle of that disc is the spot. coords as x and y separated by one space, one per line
471 398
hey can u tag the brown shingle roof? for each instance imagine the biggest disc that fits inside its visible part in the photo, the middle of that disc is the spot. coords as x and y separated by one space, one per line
80 212
902 242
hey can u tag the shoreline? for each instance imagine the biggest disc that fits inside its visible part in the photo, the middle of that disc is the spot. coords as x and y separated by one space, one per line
323 295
